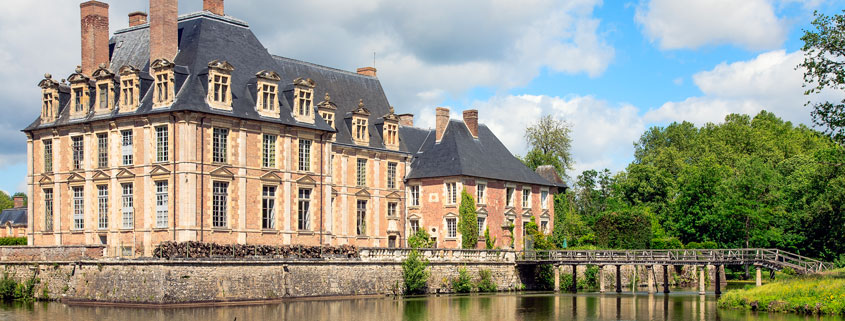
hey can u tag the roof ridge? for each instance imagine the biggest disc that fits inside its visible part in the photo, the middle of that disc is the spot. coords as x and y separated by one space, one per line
190 16
321 66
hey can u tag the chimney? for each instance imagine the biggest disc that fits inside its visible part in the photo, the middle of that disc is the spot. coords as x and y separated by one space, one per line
471 120
213 6
18 201
441 120
367 71
406 120
163 29
137 18
95 35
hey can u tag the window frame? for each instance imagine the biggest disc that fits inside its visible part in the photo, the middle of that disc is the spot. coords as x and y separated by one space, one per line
481 193
78 198
102 207
268 150
361 218
451 193
220 145
544 199
304 152
391 174
162 141
162 203
268 207
481 220
78 150
361 172
102 150
395 211
127 150
48 209
451 227
526 197
303 209
414 191
510 191
220 205
127 204
47 145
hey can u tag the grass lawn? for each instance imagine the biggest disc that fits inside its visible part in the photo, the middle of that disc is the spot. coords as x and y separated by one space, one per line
813 294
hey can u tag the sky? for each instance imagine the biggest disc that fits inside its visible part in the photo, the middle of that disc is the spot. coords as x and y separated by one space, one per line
609 69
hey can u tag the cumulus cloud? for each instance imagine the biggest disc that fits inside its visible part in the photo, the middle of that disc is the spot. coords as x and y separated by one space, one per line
690 24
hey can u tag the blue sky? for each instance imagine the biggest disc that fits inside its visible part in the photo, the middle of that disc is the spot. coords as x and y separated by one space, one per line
611 69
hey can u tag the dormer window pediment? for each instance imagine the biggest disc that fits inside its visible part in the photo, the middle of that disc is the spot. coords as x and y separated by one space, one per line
220 84
303 100
104 101
327 110
163 82
49 98
130 88
79 93
390 130
267 100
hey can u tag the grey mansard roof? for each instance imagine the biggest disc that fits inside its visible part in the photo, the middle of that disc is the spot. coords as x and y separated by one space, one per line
15 216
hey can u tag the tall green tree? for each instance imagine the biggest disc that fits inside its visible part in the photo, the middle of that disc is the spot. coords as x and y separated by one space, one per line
468 221
5 201
549 143
824 69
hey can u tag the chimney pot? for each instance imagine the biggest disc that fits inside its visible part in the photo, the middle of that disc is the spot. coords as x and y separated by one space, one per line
137 18
213 6
94 21
441 121
164 34
471 120
18 200
406 120
367 71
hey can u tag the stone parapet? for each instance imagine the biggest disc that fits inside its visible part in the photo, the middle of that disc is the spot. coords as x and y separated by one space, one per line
50 253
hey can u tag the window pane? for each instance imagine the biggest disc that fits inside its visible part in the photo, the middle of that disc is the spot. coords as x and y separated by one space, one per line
128 205
219 204
126 148
161 144
102 150
361 211
162 204
102 206
304 155
304 207
78 208
268 207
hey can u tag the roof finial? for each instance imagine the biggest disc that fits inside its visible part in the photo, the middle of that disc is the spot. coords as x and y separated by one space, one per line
78 69
361 103
390 109
327 98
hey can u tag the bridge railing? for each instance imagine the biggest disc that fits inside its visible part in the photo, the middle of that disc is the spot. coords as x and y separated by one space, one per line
375 254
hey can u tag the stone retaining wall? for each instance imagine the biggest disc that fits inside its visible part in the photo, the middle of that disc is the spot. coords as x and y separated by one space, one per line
26 253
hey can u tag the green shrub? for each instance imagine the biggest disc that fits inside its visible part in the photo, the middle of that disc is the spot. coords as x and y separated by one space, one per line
11 241
414 273
489 243
468 221
591 278
420 239
666 243
788 271
628 228
485 281
545 277
463 283
702 246
7 287
840 262
565 282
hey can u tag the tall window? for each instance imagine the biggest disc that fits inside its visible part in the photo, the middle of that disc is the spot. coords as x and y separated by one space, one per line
361 210
102 150
128 200
268 207
162 87
268 158
103 91
48 104
391 175
544 199
509 196
361 170
77 100
328 117
391 209
524 229
128 89
544 227
451 193
360 128
219 208
526 197
415 195
48 155
221 88
480 221
48 209
303 209
415 226
102 207
219 145
390 136
480 190
268 97
304 155
451 227
126 146
78 152
304 102
162 204
78 208
161 144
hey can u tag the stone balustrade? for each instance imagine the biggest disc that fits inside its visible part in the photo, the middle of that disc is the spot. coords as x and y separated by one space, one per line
438 255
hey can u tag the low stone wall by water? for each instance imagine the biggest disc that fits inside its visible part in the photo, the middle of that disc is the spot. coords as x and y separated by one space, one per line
27 253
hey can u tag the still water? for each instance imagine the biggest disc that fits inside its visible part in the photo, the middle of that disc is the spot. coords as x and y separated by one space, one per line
506 306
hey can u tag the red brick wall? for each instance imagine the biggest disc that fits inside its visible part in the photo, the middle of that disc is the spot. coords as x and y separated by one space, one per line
95 35
163 29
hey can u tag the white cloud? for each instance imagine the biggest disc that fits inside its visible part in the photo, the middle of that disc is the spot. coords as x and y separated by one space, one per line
690 24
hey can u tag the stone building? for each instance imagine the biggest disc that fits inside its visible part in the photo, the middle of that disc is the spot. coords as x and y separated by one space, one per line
13 220
186 128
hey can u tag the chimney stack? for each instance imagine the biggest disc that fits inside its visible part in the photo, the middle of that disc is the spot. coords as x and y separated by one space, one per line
471 120
441 121
18 201
137 18
164 34
406 120
367 71
95 35
213 6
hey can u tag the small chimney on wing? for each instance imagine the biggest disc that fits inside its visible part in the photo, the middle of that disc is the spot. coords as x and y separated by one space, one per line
441 121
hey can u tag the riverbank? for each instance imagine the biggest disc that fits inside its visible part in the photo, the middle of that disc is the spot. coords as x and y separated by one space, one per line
812 294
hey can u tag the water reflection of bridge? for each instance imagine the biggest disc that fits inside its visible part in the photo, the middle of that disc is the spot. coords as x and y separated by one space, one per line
772 259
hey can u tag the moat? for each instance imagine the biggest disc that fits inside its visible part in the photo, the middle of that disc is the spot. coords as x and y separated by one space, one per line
682 304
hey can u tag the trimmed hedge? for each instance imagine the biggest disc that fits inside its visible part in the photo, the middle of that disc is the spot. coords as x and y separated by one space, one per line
10 241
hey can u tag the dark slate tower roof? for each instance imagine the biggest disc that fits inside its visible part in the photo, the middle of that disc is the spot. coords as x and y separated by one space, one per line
458 153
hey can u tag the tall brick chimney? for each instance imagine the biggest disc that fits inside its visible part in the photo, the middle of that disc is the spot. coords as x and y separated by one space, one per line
164 34
213 6
95 35
406 120
441 117
367 71
471 120
137 18
18 201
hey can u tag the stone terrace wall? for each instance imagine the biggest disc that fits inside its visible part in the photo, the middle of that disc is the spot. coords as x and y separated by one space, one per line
50 253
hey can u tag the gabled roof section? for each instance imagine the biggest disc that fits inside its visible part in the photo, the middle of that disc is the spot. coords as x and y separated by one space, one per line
14 216
458 153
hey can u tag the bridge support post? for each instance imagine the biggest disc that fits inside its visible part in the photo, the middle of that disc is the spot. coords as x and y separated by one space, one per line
701 279
574 279
759 276
601 278
618 279
649 269
557 278
718 279
665 279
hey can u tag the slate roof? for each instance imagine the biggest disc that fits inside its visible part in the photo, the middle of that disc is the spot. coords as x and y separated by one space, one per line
17 216
458 153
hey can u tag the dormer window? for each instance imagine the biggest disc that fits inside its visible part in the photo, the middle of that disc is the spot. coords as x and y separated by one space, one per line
163 88
327 110
390 130
105 89
360 135
129 88
220 84
267 100
303 97
49 98
361 129
79 93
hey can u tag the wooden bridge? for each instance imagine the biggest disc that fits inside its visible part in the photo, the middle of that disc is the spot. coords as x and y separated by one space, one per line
772 259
